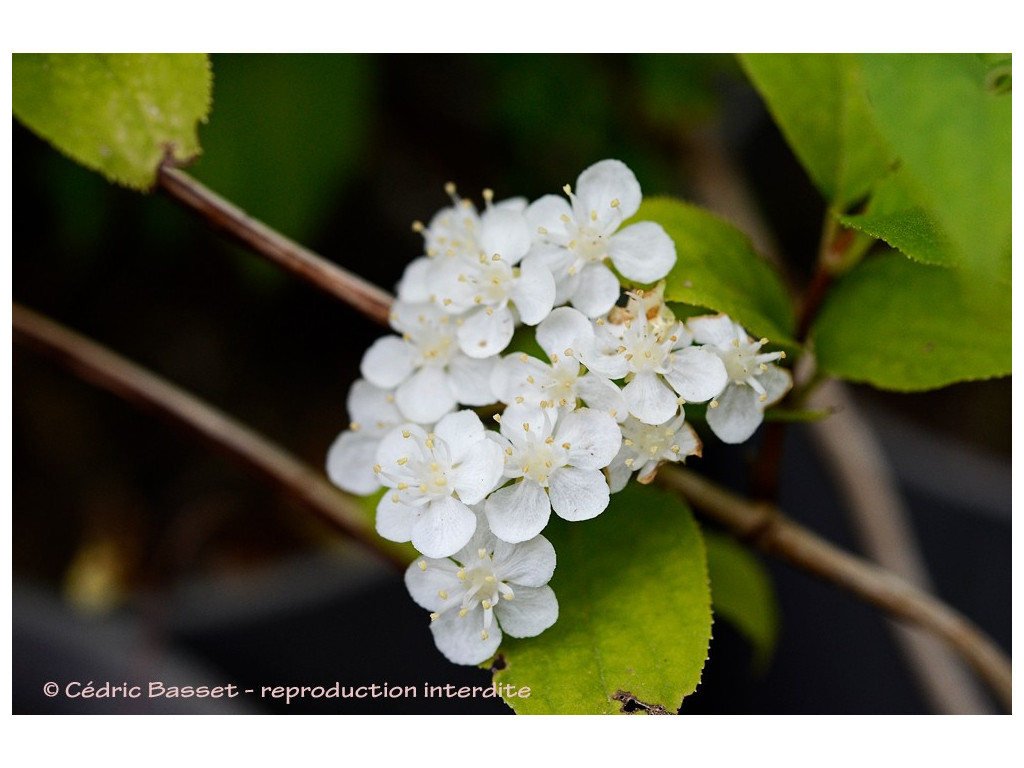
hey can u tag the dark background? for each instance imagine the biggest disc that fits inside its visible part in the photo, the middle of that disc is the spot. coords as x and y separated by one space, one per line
139 554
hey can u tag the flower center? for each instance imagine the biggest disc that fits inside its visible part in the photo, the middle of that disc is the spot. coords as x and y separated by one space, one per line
482 587
536 458
423 474
492 281
436 343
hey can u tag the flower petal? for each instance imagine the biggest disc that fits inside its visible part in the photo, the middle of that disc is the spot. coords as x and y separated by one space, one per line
372 407
531 612
461 432
534 292
443 528
511 375
776 382
518 512
619 474
578 494
415 282
483 333
394 447
504 231
426 396
395 520
717 330
480 471
531 563
597 290
604 182
517 416
643 252
738 414
564 328
697 374
460 639
650 399
426 577
470 380
601 395
388 362
594 438
546 213
350 461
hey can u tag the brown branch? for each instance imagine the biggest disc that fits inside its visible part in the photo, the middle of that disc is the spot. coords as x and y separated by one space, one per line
766 528
103 368
222 215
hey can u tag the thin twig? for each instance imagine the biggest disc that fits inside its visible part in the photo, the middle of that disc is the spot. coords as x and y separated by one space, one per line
766 528
101 367
222 215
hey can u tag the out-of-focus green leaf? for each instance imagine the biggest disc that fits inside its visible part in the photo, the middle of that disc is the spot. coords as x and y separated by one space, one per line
952 135
679 89
634 611
905 326
742 594
893 216
286 132
116 113
717 268
819 104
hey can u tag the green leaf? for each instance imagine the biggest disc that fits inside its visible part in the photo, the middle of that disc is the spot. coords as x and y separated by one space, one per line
717 268
116 113
905 326
288 132
951 130
893 216
634 607
819 104
742 594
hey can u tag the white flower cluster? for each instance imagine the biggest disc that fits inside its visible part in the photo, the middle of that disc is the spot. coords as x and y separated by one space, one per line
607 402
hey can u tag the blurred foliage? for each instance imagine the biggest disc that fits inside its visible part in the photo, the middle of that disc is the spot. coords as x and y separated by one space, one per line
742 594
287 134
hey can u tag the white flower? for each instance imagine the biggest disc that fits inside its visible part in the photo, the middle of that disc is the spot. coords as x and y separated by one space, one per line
646 447
351 457
565 335
660 366
555 458
475 268
425 366
487 588
754 384
433 476
575 238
